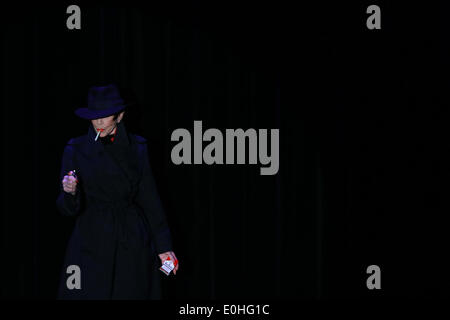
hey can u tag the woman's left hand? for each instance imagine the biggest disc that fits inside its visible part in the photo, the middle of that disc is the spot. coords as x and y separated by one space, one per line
173 257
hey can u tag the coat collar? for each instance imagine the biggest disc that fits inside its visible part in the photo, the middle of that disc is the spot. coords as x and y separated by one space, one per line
121 137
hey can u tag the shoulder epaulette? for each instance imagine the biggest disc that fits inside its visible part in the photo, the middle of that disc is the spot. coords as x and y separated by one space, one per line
77 140
140 139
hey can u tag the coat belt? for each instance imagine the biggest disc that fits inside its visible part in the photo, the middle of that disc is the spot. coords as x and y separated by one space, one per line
118 209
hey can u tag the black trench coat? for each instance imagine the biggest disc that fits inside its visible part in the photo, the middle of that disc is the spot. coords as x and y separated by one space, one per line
120 224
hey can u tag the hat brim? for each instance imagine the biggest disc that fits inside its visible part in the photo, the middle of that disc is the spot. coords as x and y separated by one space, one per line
89 114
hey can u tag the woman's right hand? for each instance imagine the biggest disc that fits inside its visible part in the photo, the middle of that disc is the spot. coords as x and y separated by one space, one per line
70 183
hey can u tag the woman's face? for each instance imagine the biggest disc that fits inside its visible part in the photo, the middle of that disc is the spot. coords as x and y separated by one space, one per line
107 124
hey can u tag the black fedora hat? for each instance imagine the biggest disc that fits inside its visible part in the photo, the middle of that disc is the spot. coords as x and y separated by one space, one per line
102 102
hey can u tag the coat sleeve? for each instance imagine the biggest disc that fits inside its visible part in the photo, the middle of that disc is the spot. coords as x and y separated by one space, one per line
148 199
67 204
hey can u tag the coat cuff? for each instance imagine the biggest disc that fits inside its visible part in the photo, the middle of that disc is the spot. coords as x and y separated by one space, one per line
68 204
163 242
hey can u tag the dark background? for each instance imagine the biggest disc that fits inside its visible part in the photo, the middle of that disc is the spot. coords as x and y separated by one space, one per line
363 141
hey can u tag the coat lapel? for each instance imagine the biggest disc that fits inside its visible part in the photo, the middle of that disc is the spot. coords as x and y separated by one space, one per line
106 162
95 147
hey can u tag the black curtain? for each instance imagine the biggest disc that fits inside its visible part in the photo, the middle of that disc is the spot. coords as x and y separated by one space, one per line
363 141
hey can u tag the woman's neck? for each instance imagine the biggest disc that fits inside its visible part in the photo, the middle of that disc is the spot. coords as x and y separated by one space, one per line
114 130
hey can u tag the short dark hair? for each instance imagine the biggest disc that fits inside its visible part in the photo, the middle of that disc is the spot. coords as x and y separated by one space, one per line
117 114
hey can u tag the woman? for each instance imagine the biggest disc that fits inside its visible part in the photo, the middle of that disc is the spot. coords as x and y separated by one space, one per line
107 183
